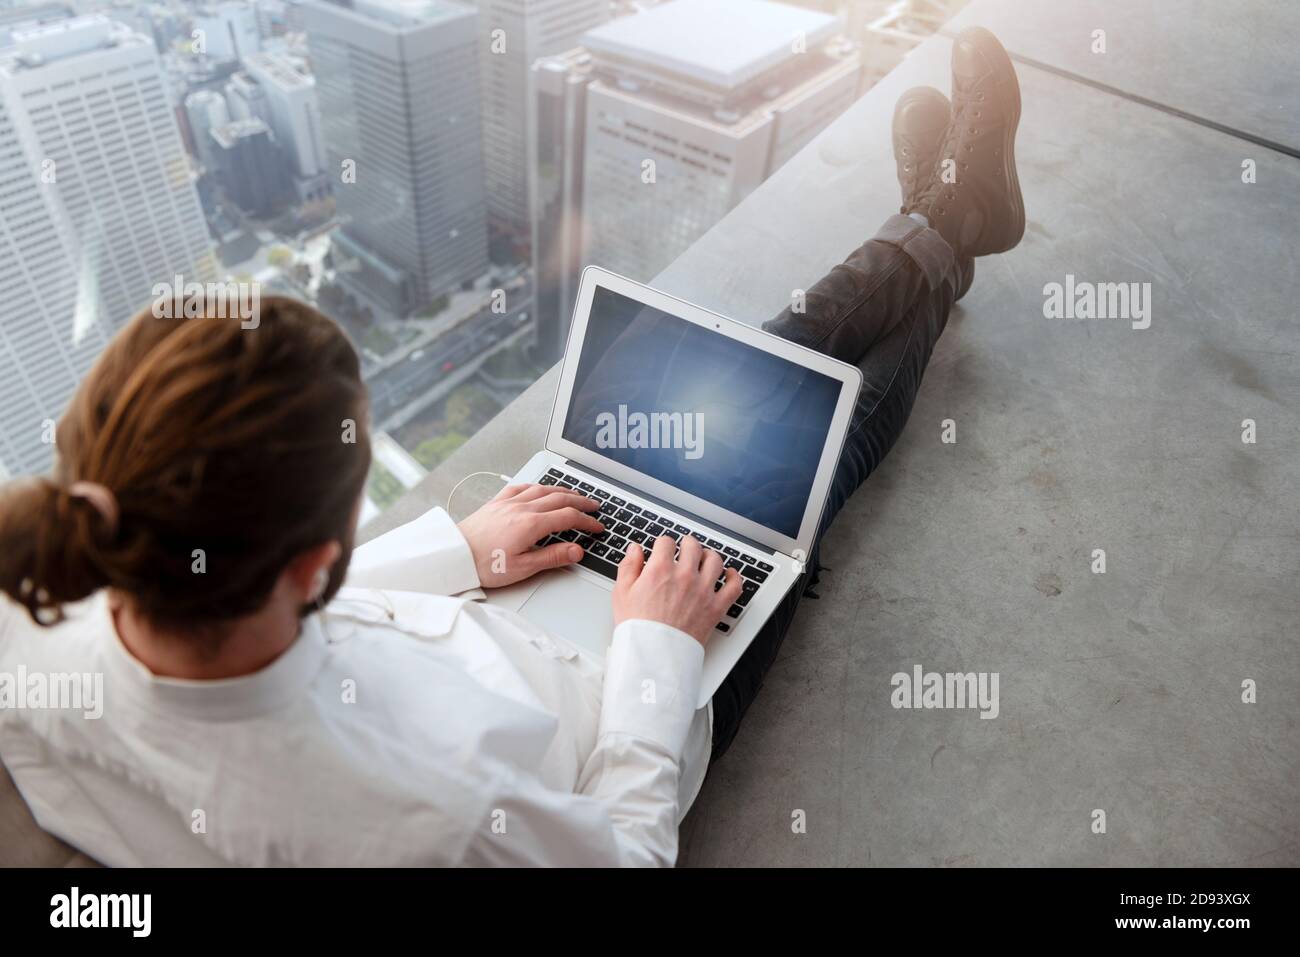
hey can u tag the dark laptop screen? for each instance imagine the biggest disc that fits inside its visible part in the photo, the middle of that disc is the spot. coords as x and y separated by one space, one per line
722 420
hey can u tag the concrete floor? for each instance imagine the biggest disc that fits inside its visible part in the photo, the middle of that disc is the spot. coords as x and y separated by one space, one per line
1120 691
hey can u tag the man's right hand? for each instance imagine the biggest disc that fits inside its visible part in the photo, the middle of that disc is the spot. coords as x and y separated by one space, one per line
677 593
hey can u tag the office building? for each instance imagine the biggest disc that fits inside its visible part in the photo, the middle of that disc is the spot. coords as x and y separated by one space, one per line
229 30
694 103
246 99
513 36
251 169
399 106
294 114
205 110
96 206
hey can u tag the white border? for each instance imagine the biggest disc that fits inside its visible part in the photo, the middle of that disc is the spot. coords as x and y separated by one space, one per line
849 377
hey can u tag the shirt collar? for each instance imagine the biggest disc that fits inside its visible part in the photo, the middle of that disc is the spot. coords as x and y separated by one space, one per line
224 699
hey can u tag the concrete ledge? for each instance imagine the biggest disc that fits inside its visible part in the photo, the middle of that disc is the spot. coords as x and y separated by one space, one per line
1119 691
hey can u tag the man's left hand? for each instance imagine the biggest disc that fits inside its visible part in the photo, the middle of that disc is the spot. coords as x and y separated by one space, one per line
502 533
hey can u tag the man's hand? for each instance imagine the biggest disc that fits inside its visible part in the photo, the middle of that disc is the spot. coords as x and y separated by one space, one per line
677 593
502 533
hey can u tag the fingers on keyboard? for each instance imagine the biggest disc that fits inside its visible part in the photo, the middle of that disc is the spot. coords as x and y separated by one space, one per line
627 523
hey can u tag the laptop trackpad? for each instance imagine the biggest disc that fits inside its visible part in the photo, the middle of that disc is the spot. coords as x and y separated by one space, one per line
572 608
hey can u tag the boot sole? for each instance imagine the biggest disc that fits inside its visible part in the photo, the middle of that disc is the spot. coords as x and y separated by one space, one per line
1015 228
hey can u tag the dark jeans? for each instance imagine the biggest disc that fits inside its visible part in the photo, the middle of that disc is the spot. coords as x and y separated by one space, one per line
882 310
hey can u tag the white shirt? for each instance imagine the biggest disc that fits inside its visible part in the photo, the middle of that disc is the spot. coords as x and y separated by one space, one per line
402 727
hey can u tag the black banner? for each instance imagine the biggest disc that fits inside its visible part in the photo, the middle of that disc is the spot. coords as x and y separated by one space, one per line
1225 907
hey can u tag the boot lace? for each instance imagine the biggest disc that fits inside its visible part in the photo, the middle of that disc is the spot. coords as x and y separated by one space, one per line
967 110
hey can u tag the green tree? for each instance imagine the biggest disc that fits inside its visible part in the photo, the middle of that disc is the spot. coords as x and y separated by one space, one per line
431 452
384 489
459 411
435 307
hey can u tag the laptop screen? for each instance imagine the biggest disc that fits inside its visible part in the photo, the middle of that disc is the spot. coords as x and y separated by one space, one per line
720 419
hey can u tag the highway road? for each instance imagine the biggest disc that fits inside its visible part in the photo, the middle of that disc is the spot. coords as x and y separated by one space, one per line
399 385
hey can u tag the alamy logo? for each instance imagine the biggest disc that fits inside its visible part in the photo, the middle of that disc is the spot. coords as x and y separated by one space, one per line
102 910
60 691
179 299
1098 300
653 430
952 690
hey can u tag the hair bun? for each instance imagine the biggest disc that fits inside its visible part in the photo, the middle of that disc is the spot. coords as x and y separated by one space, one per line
49 551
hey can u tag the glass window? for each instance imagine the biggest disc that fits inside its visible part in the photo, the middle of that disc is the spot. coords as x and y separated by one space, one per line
437 196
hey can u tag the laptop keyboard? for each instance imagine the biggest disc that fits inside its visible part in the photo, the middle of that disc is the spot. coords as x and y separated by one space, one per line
627 522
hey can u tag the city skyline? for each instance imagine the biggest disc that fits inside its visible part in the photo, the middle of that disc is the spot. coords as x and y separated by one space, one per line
433 174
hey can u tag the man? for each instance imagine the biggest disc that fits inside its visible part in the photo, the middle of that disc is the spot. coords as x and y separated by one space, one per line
405 723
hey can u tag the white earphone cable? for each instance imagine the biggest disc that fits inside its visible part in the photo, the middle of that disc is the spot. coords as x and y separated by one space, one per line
456 487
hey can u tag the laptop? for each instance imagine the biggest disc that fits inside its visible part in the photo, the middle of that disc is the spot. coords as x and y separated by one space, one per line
684 422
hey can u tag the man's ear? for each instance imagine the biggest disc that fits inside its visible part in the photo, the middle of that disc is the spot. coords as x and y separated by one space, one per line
306 573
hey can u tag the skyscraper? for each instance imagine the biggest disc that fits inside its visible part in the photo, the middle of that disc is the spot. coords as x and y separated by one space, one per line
399 100
693 105
513 36
205 110
251 167
229 30
294 115
96 206
246 99
560 84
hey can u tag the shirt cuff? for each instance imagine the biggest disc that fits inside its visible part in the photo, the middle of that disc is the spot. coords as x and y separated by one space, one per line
428 555
652 681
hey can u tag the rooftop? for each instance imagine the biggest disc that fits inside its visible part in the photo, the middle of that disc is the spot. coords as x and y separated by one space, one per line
721 42
278 69
35 45
31 13
406 13
229 134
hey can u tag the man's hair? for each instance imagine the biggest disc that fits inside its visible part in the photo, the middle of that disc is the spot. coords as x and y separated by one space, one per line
230 451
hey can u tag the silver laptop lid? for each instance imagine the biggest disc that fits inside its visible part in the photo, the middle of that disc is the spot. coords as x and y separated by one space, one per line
705 413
